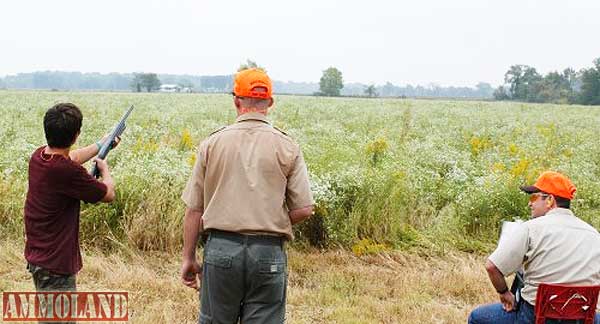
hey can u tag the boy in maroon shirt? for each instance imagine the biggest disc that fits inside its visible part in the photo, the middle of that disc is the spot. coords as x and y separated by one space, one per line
57 184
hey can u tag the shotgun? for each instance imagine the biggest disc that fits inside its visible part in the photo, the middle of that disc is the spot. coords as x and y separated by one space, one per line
110 141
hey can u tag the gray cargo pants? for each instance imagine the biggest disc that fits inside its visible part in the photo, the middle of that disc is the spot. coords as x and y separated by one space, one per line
244 279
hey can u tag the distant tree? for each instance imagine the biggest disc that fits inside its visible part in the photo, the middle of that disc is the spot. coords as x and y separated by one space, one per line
590 85
531 83
136 82
389 90
433 89
571 76
371 91
523 81
148 81
501 93
554 87
484 90
251 65
44 80
216 83
513 78
331 82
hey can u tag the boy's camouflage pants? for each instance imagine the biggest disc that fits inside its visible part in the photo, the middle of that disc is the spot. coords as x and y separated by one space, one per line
45 280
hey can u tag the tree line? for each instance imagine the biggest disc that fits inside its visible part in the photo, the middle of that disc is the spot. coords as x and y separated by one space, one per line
332 84
521 83
223 84
524 83
113 81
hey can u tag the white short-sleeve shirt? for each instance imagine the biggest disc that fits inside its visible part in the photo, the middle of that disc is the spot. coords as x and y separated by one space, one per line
555 248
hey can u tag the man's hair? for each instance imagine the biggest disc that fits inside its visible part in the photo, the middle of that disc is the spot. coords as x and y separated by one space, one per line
563 202
254 103
62 122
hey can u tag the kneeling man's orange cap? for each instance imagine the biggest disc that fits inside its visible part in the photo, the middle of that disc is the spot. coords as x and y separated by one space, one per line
552 183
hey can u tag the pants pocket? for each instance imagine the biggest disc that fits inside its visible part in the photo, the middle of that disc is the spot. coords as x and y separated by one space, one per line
271 281
218 259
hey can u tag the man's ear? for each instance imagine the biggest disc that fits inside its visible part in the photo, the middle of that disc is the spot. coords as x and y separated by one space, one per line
236 102
550 201
272 101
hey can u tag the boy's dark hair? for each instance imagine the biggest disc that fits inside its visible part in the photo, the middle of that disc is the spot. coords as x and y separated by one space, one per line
62 122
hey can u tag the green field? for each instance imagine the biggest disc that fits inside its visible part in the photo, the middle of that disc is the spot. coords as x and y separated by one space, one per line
386 173
403 188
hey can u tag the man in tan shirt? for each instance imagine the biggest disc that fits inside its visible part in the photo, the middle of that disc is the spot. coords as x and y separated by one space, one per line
248 187
553 247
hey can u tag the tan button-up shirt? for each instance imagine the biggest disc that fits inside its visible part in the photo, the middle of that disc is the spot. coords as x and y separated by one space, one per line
246 178
555 248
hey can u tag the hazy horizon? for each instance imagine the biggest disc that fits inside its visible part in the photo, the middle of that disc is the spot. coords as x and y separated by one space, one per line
419 43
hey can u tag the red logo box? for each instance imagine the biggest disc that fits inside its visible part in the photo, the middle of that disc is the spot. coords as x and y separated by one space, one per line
65 306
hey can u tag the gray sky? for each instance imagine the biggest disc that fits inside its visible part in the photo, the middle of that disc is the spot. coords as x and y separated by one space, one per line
459 42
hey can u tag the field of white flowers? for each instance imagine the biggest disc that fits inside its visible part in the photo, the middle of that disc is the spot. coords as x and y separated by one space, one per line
386 173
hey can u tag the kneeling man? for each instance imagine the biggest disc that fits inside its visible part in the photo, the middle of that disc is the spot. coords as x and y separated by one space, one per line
553 247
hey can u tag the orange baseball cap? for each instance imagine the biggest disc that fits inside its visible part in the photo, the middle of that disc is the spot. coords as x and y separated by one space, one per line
247 81
552 183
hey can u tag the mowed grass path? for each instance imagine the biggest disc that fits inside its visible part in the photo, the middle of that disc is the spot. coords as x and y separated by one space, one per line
324 287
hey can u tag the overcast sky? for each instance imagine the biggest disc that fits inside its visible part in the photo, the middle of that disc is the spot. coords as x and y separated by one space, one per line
458 42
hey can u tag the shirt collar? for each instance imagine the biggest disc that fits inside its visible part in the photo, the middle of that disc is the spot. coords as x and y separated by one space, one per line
560 211
252 116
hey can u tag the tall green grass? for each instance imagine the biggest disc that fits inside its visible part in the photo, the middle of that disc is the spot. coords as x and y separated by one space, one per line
398 173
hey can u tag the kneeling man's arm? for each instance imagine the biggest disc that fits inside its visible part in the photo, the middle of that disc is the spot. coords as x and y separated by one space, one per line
505 260
497 278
